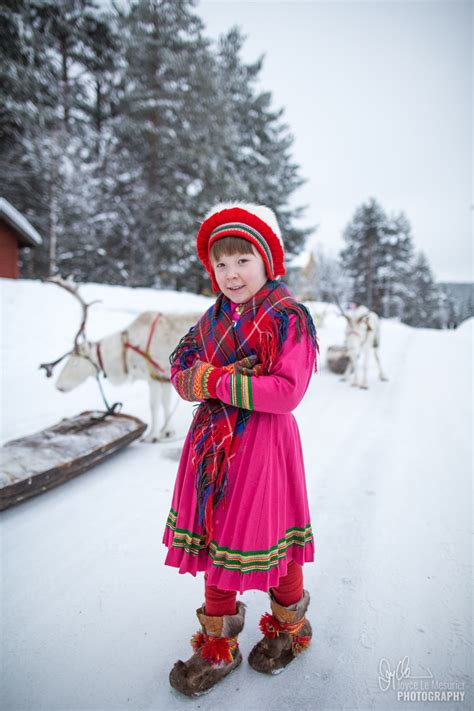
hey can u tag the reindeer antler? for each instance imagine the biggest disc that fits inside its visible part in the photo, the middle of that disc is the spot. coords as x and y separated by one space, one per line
73 289
336 299
49 367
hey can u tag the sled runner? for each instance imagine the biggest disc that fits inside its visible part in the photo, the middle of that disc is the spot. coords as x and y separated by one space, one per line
33 464
337 359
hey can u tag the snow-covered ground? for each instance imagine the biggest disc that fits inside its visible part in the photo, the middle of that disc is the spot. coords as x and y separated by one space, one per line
93 620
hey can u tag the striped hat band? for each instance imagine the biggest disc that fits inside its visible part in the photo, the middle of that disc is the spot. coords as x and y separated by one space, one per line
239 229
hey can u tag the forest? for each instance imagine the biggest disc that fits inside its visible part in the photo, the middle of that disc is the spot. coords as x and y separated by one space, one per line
121 125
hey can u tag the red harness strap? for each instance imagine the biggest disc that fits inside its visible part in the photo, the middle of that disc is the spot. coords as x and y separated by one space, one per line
127 344
146 354
152 331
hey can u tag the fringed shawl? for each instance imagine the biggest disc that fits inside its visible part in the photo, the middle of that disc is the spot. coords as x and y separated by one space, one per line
217 427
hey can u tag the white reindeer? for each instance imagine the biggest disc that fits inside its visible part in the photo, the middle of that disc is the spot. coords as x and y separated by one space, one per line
140 352
362 337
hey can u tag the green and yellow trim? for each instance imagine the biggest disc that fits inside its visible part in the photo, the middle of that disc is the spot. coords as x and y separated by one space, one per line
241 391
182 538
233 559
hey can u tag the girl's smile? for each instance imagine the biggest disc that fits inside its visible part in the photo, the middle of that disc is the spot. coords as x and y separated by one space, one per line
240 276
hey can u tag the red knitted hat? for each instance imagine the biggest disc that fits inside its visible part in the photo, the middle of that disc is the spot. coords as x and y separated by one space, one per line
255 223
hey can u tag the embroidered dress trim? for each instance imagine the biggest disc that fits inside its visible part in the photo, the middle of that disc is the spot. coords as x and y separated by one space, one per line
230 559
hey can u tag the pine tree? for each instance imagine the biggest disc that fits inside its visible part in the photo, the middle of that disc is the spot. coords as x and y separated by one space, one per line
331 277
49 158
423 306
121 129
157 132
377 258
90 223
363 255
262 169
396 254
28 98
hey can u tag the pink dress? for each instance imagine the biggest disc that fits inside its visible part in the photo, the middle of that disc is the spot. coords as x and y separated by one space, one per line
263 522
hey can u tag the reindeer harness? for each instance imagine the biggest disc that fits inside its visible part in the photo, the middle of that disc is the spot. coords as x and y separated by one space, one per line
146 353
48 367
354 332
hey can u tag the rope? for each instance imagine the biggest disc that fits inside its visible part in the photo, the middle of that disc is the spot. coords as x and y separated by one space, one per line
109 409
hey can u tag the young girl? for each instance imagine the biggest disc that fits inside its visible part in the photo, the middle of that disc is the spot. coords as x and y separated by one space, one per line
239 510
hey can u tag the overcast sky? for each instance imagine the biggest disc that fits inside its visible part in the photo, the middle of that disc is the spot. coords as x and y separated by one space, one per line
379 98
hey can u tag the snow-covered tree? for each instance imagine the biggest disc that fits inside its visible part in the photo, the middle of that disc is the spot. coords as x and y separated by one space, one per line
363 256
377 258
51 156
260 152
121 127
28 97
394 268
424 304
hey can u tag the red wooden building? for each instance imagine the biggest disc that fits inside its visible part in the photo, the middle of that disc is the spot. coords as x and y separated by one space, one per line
15 233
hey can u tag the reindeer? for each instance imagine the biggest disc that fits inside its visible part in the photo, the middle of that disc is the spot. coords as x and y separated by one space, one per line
362 337
140 352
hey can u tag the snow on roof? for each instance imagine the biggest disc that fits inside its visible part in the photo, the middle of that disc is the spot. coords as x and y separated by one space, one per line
31 238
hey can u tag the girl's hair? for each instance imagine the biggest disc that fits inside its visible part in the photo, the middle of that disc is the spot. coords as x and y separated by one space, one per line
230 246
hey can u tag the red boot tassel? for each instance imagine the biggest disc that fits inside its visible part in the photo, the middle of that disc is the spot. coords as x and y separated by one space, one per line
215 650
272 628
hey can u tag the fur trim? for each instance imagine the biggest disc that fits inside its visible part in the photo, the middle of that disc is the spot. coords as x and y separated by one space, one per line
290 613
224 626
233 624
266 214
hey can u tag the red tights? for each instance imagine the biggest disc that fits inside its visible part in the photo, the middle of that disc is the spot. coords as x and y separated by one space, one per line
288 591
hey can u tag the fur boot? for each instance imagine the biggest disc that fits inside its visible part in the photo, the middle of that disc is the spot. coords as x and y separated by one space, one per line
216 653
287 632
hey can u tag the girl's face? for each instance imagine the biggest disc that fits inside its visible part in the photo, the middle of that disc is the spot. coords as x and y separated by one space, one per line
240 276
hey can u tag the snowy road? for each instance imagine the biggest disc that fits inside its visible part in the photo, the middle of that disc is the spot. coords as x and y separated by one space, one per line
93 620
393 512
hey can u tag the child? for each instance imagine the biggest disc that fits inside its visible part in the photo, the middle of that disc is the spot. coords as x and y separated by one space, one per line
240 510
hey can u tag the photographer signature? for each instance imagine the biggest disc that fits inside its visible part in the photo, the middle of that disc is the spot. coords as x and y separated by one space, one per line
402 671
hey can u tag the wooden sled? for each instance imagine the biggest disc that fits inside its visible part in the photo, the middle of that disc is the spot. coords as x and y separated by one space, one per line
337 359
34 464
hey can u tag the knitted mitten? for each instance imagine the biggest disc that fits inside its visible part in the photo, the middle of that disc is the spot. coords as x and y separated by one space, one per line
246 366
199 382
216 653
287 632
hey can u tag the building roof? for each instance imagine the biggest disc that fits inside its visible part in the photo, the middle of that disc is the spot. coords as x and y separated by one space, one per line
28 236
